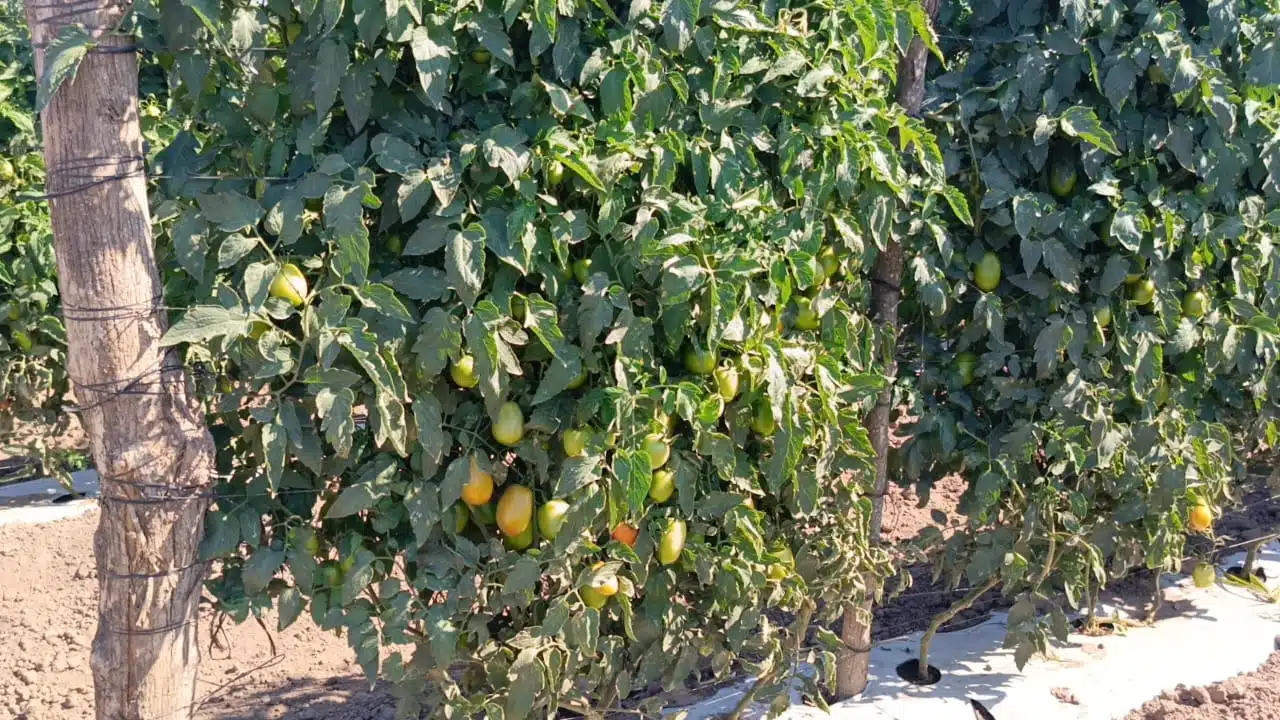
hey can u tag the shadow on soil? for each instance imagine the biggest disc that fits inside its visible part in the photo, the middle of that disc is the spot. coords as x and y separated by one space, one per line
340 698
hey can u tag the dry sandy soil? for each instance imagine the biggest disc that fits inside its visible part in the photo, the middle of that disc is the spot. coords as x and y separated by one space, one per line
44 669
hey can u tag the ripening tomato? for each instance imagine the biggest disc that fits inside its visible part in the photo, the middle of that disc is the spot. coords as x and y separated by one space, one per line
479 486
625 534
1201 518
515 510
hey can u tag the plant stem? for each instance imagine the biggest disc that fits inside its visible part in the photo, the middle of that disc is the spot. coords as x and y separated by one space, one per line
956 608
802 629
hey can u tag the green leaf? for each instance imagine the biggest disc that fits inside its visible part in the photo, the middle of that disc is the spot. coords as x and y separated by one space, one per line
273 447
396 155
439 340
233 249
1049 343
523 577
423 284
504 148
190 236
422 501
455 477
205 322
429 237
577 473
382 299
678 20
344 215
62 59
464 262
1081 121
331 66
526 682
352 499
1061 263
428 416
959 204
230 211
1264 65
339 425
1114 274
433 49
290 607
260 568
489 31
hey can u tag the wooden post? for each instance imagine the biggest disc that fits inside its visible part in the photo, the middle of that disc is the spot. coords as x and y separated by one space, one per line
852 666
149 441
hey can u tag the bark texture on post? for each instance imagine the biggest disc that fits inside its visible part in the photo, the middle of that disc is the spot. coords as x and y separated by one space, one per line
149 441
852 666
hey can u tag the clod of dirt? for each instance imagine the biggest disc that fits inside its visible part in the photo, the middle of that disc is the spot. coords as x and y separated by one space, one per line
1065 695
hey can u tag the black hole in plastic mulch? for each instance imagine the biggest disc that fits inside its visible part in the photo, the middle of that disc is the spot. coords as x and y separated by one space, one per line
62 499
1238 571
910 671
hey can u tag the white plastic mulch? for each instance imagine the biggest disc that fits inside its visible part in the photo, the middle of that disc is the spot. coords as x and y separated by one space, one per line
1219 632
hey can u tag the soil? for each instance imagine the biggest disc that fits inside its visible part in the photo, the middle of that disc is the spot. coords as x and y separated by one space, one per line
45 675
1253 696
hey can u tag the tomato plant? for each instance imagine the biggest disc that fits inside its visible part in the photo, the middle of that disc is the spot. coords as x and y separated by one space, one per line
1116 161
581 214
33 379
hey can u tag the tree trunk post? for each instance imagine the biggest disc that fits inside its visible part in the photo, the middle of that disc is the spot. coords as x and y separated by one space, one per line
149 442
886 292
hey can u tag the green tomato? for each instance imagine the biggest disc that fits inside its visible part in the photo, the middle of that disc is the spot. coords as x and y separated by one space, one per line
289 284
6 170
21 339
1062 177
1204 575
555 173
806 317
480 56
463 372
662 487
727 383
582 270
574 442
1195 304
395 243
986 274
830 263
659 451
551 518
578 381
763 422
699 362
1102 315
509 428
593 598
1142 292
966 365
